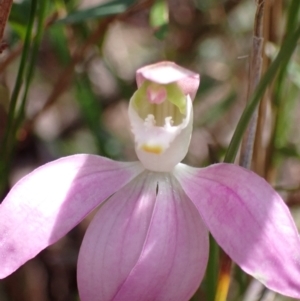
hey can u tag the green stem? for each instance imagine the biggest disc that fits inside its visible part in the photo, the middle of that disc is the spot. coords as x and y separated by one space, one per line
20 75
8 140
293 14
282 58
30 71
212 269
279 100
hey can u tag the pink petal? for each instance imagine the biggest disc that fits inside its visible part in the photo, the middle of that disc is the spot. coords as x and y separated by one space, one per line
144 246
167 73
46 204
249 220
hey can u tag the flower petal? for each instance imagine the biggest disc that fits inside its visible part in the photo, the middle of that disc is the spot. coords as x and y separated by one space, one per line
168 72
249 220
43 206
147 242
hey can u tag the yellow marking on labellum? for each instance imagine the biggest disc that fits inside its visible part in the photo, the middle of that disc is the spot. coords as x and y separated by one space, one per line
154 149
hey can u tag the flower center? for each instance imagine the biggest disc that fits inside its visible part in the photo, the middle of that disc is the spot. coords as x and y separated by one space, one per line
160 105
161 121
156 94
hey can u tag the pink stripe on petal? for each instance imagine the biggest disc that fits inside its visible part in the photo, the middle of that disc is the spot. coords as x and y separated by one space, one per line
249 220
143 246
47 203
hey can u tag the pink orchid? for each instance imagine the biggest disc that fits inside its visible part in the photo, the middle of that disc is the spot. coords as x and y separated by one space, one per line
149 240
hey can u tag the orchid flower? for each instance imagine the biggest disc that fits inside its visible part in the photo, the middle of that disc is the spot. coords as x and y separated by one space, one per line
149 238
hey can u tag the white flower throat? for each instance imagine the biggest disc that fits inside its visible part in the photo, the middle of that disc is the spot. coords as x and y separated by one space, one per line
158 110
161 120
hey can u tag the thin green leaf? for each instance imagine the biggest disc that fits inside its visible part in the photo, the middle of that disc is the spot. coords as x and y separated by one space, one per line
60 44
32 60
9 138
282 59
212 270
102 10
293 15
